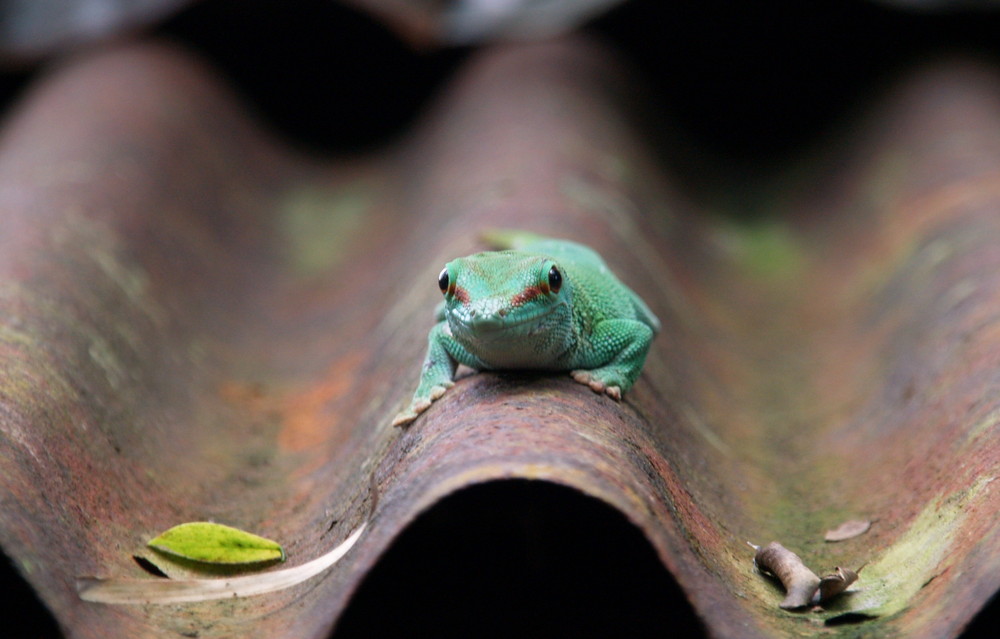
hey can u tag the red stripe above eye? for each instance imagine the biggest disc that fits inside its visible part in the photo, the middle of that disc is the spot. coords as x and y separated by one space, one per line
460 294
529 294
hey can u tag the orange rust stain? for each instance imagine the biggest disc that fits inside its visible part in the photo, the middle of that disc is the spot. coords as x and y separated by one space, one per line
247 395
696 526
305 420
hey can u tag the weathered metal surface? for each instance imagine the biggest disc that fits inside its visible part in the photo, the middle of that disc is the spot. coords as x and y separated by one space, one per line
471 21
34 29
31 29
196 324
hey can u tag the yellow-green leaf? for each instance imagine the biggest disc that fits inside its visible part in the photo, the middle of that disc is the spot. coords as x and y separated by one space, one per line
212 543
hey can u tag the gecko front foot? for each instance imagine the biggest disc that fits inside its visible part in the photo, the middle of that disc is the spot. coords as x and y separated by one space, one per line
598 386
420 405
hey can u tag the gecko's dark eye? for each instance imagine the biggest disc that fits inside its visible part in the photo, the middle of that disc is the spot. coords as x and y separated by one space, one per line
555 279
443 280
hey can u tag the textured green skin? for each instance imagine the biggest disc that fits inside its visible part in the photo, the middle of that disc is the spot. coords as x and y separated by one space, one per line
499 314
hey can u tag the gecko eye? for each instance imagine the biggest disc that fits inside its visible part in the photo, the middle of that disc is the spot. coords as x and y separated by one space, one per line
443 280
555 279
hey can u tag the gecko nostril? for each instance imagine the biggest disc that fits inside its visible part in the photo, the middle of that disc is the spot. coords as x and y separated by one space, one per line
502 312
472 313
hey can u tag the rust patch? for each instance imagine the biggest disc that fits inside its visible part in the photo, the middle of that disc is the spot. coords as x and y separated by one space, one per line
310 416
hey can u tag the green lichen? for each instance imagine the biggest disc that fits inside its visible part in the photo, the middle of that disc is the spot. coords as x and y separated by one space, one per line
27 566
12 336
104 357
982 426
129 277
889 583
318 226
766 249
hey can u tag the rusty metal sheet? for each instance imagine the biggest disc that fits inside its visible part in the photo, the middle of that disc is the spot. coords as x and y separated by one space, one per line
33 29
196 323
425 22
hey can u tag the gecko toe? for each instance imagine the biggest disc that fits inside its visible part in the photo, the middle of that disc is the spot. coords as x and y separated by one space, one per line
595 384
403 418
437 392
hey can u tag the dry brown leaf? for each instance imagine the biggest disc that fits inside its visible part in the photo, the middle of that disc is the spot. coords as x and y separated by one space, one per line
848 530
833 584
799 581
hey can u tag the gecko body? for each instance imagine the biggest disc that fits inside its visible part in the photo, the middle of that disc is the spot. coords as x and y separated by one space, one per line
542 304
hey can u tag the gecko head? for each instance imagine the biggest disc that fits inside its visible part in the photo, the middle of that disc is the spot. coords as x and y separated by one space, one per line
498 295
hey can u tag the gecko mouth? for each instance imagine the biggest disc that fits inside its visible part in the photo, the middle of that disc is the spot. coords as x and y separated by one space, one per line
494 324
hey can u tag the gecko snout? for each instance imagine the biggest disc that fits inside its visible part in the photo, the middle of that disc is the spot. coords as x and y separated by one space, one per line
486 322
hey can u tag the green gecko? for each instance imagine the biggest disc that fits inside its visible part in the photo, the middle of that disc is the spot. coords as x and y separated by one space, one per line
546 304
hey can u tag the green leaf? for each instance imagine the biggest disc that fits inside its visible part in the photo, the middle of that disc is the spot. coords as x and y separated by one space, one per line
211 543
